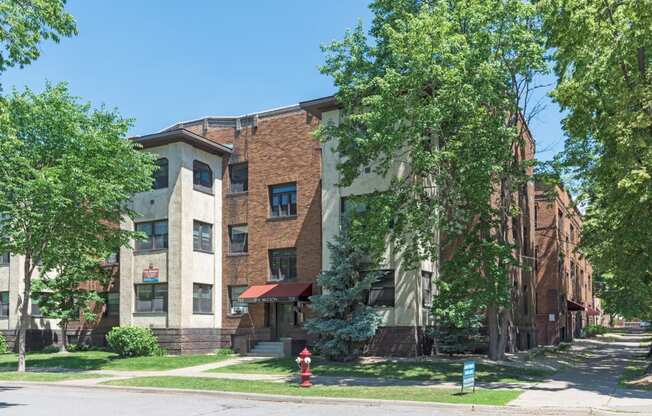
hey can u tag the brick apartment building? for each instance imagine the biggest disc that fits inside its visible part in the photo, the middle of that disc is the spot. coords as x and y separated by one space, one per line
564 276
238 223
271 214
406 317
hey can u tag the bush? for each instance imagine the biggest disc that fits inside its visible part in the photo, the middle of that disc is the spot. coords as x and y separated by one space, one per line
78 347
51 349
132 341
222 352
3 344
593 330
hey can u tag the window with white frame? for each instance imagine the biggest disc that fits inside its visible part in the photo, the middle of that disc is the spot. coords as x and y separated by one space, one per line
238 239
152 298
156 235
202 298
202 235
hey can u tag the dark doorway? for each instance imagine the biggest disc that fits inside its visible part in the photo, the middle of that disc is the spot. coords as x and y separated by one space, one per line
282 319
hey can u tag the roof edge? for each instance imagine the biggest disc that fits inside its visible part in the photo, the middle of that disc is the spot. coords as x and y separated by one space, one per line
176 135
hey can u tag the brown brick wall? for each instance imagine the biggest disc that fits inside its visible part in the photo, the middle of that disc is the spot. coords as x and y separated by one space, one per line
279 150
554 281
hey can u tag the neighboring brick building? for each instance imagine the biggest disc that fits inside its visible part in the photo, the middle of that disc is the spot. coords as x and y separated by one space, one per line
564 276
272 222
407 318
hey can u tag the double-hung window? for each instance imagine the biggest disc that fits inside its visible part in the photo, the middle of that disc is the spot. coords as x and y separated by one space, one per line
156 235
152 298
202 236
382 291
282 264
4 304
161 174
239 177
426 288
112 304
236 306
202 176
283 200
202 298
4 259
238 236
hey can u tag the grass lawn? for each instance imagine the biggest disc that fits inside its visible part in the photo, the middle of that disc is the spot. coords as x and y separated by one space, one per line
401 370
422 394
102 360
634 371
33 376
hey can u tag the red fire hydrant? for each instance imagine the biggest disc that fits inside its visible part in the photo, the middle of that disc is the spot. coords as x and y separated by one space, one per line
304 362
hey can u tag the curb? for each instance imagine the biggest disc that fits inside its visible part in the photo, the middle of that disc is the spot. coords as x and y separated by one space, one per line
466 408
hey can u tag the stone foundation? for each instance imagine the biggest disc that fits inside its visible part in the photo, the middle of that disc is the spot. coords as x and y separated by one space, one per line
401 341
191 340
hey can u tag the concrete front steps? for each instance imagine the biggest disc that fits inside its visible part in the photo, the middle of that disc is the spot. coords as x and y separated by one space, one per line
267 349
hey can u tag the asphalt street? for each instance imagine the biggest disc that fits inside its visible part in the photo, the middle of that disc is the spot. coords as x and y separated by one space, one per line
68 401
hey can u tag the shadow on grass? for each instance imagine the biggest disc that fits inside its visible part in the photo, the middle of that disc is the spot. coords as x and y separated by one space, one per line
400 370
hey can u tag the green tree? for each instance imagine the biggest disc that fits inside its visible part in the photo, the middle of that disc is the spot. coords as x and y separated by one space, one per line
603 55
344 321
68 292
442 87
24 24
66 175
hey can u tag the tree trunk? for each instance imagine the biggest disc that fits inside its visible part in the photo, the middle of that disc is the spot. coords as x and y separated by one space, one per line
23 319
492 328
64 338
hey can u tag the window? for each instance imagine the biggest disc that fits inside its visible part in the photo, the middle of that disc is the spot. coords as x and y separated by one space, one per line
113 258
426 288
161 174
283 264
239 176
157 235
236 306
4 304
382 291
152 298
526 306
36 310
283 200
112 304
202 298
350 206
238 236
202 175
4 259
202 236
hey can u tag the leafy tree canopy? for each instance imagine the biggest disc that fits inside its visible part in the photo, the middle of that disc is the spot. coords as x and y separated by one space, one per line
603 55
25 23
435 96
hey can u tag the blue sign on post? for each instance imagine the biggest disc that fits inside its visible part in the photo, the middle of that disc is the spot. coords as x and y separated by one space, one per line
468 376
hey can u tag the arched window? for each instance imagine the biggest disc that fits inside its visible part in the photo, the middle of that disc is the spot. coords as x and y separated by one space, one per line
161 174
202 175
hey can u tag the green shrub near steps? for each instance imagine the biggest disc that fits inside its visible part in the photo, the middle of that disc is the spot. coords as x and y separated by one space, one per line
3 344
593 330
132 341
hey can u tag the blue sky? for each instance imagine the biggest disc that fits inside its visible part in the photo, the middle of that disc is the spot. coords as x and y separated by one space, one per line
165 61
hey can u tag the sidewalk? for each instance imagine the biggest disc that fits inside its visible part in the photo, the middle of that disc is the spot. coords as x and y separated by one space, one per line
592 383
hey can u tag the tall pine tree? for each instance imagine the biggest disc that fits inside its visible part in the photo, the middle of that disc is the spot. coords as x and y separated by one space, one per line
344 321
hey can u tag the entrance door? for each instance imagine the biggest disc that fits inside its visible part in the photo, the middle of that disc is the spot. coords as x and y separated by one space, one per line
284 319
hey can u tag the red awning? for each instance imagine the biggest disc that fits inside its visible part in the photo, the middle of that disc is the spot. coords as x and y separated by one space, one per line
574 306
277 292
592 311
